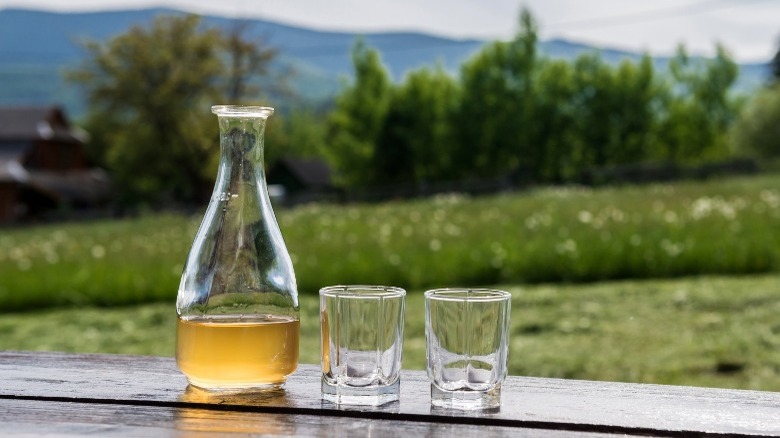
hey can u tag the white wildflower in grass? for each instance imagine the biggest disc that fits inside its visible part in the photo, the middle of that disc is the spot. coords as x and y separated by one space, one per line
98 251
538 219
670 217
617 215
568 246
701 208
439 215
585 217
52 258
16 253
447 199
59 236
394 259
705 207
739 203
414 216
635 240
498 255
452 230
672 249
490 214
434 245
771 198
386 230
728 211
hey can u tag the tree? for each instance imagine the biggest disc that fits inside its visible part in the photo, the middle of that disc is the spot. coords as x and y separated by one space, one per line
556 118
149 92
699 110
595 110
416 142
356 122
757 132
775 65
246 60
614 111
497 106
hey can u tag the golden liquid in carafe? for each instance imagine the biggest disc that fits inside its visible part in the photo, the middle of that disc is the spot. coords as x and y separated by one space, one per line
235 354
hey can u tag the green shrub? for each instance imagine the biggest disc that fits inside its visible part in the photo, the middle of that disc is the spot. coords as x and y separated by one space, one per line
757 132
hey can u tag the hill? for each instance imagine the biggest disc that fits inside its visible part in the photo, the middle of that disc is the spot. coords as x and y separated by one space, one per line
36 46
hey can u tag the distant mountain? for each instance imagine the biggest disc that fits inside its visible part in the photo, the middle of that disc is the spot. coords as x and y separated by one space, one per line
36 46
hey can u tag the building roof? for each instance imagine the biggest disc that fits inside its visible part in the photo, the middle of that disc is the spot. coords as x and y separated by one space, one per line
20 129
36 123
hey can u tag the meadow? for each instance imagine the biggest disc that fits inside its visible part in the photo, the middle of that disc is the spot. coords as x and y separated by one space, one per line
561 235
668 283
706 331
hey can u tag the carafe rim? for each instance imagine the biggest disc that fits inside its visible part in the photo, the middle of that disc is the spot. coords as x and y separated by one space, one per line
242 110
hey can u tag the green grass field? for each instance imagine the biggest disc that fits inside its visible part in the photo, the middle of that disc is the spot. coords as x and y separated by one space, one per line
706 331
700 308
722 227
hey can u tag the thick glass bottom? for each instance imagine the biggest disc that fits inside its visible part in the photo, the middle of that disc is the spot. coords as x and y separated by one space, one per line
466 400
216 386
361 395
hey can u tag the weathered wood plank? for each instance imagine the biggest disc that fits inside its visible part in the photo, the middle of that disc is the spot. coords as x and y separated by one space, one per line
39 418
526 402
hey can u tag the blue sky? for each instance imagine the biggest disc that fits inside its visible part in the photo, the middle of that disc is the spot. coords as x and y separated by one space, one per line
750 29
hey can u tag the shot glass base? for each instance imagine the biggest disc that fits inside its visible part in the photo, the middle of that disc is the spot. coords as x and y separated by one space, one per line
365 396
466 400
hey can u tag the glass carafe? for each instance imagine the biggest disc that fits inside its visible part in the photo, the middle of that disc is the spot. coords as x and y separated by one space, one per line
237 304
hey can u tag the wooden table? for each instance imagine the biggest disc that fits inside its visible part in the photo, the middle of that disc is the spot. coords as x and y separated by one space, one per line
57 394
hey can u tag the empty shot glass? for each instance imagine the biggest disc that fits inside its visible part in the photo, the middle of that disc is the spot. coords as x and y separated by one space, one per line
362 339
467 338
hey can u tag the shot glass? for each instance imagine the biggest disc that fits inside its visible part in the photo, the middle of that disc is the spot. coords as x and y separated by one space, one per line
467 338
362 339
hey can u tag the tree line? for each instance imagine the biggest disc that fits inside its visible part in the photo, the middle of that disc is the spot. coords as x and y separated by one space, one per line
509 111
514 111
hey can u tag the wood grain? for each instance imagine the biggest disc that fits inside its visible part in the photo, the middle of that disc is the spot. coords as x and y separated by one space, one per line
37 418
530 403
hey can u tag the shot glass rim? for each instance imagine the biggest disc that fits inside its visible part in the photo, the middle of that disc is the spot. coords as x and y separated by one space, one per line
464 294
362 291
